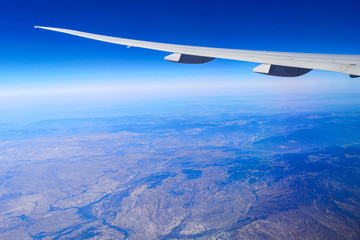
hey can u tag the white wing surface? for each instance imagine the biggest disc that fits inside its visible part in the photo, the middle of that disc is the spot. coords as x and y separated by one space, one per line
272 63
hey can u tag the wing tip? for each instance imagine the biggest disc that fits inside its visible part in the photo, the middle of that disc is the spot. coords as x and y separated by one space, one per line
40 27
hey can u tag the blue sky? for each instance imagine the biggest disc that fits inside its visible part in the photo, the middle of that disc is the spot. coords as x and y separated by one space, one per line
42 63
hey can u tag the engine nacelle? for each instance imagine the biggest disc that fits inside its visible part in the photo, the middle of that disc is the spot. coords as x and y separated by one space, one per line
189 59
280 71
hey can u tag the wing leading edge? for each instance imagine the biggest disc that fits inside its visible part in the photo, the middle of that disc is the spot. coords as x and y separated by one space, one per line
272 63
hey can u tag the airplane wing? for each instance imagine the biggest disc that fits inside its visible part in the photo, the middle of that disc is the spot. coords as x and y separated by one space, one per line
283 64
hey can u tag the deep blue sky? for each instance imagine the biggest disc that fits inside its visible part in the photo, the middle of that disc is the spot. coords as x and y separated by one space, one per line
33 59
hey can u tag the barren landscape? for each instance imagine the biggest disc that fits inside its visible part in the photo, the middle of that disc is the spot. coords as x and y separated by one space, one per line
221 176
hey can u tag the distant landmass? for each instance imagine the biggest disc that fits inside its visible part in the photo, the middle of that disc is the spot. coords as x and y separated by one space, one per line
183 176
